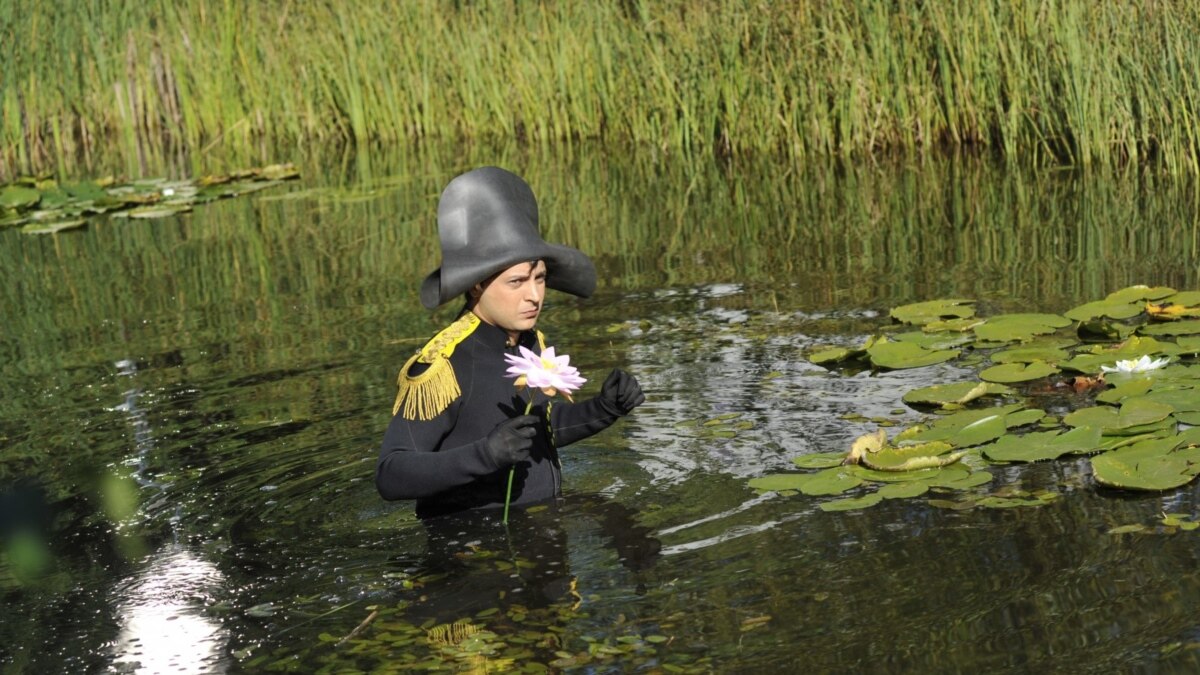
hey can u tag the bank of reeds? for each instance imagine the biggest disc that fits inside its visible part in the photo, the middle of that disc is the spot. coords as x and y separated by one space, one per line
1101 84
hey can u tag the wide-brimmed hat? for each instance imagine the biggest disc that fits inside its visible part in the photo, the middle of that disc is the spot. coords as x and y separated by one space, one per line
488 222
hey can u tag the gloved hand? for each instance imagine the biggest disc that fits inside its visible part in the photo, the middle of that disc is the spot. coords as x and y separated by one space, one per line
511 440
620 393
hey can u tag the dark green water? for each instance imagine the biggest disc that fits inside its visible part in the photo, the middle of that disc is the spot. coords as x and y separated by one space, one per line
190 411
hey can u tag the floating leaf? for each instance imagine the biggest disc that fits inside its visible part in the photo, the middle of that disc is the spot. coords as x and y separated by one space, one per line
959 392
933 310
1044 445
1134 412
1012 327
1031 355
912 458
1140 292
886 353
1111 309
779 482
962 481
819 460
852 503
51 228
1188 345
1018 372
1127 529
17 197
1189 327
896 476
830 481
1149 465
834 355
903 490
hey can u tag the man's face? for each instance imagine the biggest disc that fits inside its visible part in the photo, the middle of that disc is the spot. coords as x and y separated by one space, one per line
512 299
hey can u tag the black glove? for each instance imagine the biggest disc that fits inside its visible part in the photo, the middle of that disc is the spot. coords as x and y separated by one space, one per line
620 393
511 440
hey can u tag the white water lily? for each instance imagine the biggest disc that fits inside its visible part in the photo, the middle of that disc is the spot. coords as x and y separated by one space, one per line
1135 365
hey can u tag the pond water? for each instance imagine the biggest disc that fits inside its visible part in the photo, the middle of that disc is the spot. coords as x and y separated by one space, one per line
191 407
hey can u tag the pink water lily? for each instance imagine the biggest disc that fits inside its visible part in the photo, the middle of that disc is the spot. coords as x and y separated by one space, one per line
550 373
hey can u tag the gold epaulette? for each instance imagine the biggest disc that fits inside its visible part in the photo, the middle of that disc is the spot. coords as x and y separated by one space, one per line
426 395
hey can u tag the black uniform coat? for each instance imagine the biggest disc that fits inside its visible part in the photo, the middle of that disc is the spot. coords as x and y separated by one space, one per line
444 463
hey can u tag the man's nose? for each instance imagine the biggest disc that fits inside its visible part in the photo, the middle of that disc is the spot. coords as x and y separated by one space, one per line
535 292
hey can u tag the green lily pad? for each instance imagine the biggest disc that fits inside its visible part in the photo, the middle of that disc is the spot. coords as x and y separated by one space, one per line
912 457
1188 345
1031 355
831 481
158 211
1043 445
894 355
1112 309
51 228
819 460
19 197
1149 465
1136 293
779 482
934 310
952 325
1134 412
945 427
933 340
1124 390
1018 372
874 476
834 355
852 503
1185 298
903 490
961 481
1188 327
1012 327
958 393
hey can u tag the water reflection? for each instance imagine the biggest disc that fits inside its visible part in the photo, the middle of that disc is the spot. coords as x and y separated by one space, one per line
163 625
160 609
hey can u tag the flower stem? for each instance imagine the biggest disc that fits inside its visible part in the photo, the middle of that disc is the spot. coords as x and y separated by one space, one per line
513 469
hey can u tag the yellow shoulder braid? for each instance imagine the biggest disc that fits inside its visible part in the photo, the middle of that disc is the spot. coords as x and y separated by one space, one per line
425 396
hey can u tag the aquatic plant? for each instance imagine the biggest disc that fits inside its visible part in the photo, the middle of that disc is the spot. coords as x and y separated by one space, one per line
1063 82
42 205
1132 413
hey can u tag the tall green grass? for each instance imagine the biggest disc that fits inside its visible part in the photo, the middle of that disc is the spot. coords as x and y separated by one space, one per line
1078 82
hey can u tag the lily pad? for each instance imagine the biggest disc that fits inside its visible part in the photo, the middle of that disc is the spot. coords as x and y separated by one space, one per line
1044 445
1012 327
903 490
1149 465
1140 292
19 196
1018 372
895 476
1188 327
832 481
51 228
957 393
835 354
819 460
1133 413
895 355
1188 345
779 482
934 310
910 458
1031 355
852 503
1112 309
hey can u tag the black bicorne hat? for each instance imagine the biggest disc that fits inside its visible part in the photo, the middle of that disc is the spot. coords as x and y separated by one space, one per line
488 222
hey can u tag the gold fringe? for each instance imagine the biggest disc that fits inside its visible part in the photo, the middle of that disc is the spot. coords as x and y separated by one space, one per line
425 396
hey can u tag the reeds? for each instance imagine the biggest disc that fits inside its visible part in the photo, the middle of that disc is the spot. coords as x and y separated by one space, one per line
1113 84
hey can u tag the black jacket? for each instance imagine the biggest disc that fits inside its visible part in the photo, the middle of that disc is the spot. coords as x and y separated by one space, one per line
443 462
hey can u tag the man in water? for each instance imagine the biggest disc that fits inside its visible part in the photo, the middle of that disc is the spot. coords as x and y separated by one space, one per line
457 424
